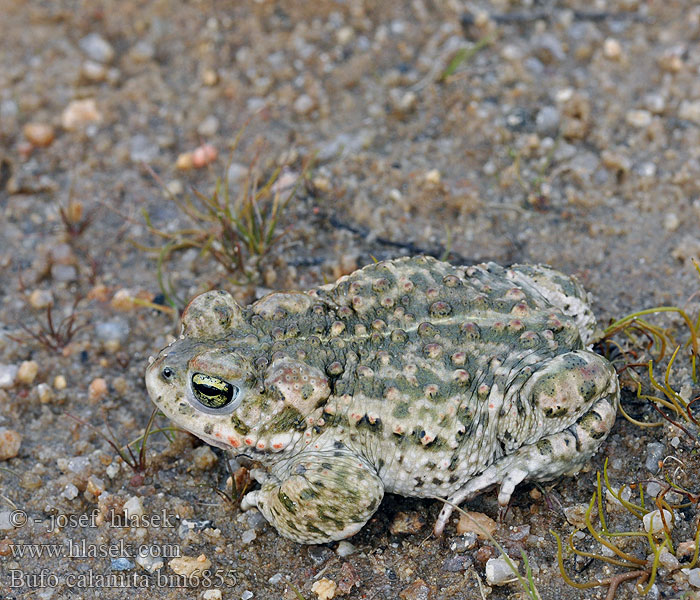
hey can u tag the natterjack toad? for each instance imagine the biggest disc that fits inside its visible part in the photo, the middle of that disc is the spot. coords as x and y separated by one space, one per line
409 376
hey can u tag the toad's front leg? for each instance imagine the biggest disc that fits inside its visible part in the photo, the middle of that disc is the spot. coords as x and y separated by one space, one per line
322 496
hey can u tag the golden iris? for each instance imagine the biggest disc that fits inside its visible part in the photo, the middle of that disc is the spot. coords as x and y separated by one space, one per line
211 391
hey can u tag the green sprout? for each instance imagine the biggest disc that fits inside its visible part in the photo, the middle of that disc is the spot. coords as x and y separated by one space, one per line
232 229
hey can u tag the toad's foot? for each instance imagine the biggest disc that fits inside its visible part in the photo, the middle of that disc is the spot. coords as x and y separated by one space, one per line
562 453
324 496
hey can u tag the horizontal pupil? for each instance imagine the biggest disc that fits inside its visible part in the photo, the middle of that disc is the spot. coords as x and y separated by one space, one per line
212 391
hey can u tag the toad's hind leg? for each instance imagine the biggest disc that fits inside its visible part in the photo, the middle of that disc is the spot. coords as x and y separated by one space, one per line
322 496
562 453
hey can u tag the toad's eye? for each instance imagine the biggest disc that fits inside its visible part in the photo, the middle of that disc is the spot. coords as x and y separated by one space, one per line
213 392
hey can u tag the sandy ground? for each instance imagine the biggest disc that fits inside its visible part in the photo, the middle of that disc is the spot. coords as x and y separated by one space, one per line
559 132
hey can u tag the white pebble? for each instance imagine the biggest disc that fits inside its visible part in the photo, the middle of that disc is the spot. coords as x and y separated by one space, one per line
248 536
304 104
213 594
208 127
79 113
498 572
652 521
97 48
694 577
638 118
690 111
246 595
133 508
671 222
70 492
653 489
148 559
612 49
44 392
8 373
345 549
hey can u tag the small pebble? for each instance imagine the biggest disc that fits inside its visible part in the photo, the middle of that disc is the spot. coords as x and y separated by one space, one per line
189 565
45 393
97 389
318 554
478 523
133 508
184 161
324 588
31 481
204 458
407 522
113 332
142 51
344 35
694 577
59 382
97 48
668 560
70 492
655 103
39 134
653 489
8 374
79 465
498 572
418 590
345 549
548 48
655 454
547 121
210 77
187 525
149 560
95 485
304 104
248 536
690 111
638 118
6 520
403 102
612 49
27 372
121 564
123 299
455 564
276 578
466 541
433 177
64 273
112 469
671 222
204 155
40 299
653 522
213 594
80 113
93 71
685 549
247 595
10 442
208 127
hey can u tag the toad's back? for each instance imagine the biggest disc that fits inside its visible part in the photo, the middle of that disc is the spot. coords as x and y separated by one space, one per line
429 391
